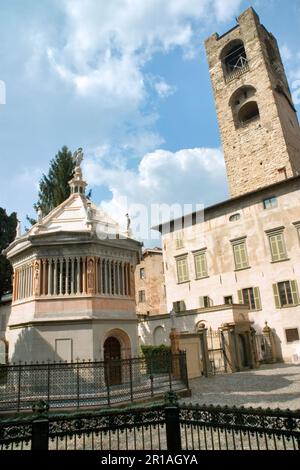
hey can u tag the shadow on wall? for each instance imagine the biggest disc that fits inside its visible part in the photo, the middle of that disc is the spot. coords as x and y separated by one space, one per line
28 343
278 342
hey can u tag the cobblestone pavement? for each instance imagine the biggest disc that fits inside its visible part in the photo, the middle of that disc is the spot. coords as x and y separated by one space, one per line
271 386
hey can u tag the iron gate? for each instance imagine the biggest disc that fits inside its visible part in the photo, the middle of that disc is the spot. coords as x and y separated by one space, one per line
216 352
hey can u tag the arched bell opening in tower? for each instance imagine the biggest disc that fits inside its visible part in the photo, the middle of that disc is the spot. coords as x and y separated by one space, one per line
233 57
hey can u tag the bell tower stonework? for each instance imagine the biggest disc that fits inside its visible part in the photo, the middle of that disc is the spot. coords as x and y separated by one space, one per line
259 125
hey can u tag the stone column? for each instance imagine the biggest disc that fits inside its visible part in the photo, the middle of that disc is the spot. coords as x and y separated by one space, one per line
44 262
230 347
122 278
84 274
106 275
270 343
61 264
67 277
109 277
254 348
174 338
72 276
49 276
206 366
132 282
55 277
119 278
78 290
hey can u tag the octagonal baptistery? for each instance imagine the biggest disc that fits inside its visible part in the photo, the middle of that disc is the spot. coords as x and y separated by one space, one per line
73 286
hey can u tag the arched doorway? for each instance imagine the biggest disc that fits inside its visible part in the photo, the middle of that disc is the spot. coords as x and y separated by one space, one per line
243 351
112 358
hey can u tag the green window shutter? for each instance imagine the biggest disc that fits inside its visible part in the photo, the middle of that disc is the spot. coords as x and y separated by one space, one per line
276 296
240 297
182 306
240 255
201 265
257 298
237 257
277 245
201 302
295 293
182 270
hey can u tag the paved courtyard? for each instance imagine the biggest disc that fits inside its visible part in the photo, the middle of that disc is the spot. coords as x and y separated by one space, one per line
271 386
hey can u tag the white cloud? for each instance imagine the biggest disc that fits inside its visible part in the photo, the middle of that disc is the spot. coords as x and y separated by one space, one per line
286 53
106 44
163 88
189 176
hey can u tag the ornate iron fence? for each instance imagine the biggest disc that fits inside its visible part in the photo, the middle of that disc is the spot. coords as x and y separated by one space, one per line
160 426
82 384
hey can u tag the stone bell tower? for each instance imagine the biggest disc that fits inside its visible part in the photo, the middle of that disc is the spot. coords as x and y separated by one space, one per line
259 125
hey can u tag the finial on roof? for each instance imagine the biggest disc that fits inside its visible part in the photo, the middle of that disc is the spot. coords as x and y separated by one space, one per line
77 184
78 157
128 231
18 229
40 215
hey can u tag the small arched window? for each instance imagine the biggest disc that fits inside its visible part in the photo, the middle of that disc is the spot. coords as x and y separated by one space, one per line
248 112
234 57
244 105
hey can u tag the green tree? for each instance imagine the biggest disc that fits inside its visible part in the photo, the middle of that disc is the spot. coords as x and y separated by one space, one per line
54 187
8 224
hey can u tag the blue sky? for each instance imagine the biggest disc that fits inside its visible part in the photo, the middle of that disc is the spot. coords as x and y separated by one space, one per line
128 81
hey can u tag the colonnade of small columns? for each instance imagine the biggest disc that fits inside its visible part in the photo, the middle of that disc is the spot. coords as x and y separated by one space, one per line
74 275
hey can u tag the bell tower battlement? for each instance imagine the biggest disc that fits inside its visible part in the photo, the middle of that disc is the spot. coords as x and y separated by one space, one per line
258 121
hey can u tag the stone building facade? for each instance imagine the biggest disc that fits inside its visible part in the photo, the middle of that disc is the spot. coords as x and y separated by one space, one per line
244 251
257 118
150 283
73 288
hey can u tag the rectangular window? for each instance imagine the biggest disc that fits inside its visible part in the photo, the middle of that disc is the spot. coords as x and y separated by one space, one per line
179 241
228 300
201 265
292 334
142 273
205 302
182 270
240 255
250 297
286 294
270 203
179 306
277 246
142 296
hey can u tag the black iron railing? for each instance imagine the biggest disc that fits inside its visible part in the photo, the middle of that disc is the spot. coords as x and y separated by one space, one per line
82 384
161 426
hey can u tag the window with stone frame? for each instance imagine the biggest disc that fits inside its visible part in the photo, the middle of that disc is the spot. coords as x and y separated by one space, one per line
228 300
142 296
270 203
205 301
292 335
251 297
277 245
200 260
240 254
297 226
142 273
286 294
179 241
179 306
182 270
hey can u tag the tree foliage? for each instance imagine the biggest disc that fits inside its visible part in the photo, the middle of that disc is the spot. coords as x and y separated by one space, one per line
54 187
8 224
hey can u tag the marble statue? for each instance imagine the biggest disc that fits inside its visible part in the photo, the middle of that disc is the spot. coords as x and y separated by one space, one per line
18 229
78 157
